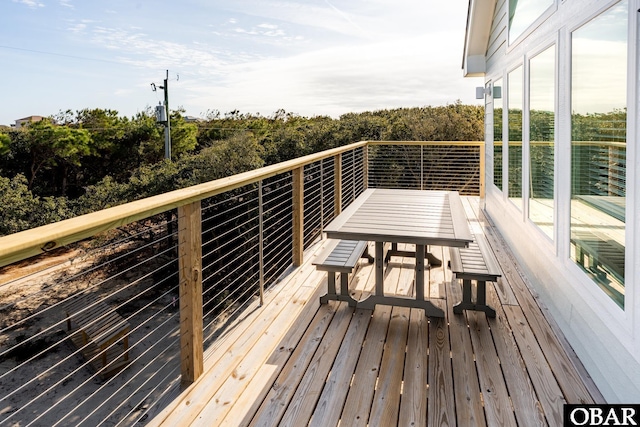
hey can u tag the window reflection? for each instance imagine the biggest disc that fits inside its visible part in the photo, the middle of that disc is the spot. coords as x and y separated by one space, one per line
514 155
523 13
598 128
541 139
497 134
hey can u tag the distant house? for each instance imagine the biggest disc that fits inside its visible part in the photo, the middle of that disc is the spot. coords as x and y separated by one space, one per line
191 119
562 94
31 119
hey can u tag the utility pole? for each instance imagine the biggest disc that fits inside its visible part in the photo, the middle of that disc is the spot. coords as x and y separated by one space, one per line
164 117
167 126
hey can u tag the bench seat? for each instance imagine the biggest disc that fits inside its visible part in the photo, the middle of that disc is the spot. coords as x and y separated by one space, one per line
478 263
340 256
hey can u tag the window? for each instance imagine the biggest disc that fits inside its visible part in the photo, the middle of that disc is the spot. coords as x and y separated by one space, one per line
542 139
497 134
598 148
514 123
523 13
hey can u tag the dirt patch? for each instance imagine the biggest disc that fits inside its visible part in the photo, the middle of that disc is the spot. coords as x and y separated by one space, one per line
44 379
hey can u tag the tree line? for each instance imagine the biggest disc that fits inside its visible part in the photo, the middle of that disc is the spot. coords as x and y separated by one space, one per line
73 163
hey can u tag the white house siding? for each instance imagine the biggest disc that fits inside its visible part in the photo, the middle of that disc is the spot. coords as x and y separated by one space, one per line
605 337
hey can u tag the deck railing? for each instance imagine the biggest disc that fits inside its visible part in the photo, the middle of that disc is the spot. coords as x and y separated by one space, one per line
179 268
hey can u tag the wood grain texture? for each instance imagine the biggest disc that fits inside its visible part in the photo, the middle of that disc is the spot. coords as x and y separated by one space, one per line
360 396
190 283
468 396
334 372
413 404
441 405
497 404
386 400
329 407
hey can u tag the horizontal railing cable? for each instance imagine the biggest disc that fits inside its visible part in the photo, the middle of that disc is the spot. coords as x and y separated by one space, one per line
50 369
158 342
55 325
131 272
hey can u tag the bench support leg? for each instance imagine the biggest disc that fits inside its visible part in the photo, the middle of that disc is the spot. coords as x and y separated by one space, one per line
331 283
481 299
332 295
344 285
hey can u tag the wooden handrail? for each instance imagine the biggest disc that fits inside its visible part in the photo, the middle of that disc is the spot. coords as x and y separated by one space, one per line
429 143
25 244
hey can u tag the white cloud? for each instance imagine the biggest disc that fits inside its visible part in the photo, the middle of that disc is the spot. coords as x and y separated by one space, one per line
67 3
320 57
78 28
350 78
123 92
32 4
139 49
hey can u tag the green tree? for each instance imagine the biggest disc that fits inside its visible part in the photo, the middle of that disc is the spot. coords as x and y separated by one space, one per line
184 139
21 209
5 143
52 146
184 136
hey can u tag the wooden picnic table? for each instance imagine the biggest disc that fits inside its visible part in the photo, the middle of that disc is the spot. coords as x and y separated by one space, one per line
420 217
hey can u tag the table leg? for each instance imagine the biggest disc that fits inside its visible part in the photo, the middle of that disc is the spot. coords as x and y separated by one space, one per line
433 261
370 302
379 264
420 272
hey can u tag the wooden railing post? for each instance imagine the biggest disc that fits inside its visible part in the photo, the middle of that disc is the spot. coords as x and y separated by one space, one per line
261 241
190 282
337 184
298 216
365 166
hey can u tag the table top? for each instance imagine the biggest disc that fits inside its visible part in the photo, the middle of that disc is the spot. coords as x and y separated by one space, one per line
424 217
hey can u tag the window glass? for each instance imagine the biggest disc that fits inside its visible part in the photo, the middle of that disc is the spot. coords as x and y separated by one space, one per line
497 133
514 154
523 13
598 148
541 138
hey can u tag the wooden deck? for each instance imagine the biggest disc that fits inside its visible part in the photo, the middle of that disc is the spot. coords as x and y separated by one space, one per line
294 362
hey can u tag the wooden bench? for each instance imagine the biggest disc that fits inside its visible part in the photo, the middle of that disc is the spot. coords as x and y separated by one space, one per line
599 254
101 334
478 263
341 256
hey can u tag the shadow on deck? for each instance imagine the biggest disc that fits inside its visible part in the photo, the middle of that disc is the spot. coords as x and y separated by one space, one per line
294 362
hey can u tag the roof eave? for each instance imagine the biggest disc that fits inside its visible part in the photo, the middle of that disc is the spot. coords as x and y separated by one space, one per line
479 20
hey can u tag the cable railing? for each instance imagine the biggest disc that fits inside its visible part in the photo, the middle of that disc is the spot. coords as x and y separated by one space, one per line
427 165
111 331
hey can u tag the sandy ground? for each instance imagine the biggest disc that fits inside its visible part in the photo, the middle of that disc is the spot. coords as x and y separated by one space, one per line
45 381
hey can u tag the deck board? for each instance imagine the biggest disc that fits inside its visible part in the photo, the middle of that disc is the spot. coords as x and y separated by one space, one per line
295 362
441 409
468 395
386 400
413 405
334 392
527 408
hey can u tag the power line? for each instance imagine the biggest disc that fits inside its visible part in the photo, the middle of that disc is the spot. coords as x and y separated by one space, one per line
62 55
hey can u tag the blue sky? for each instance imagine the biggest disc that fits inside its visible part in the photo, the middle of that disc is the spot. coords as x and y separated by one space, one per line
311 57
